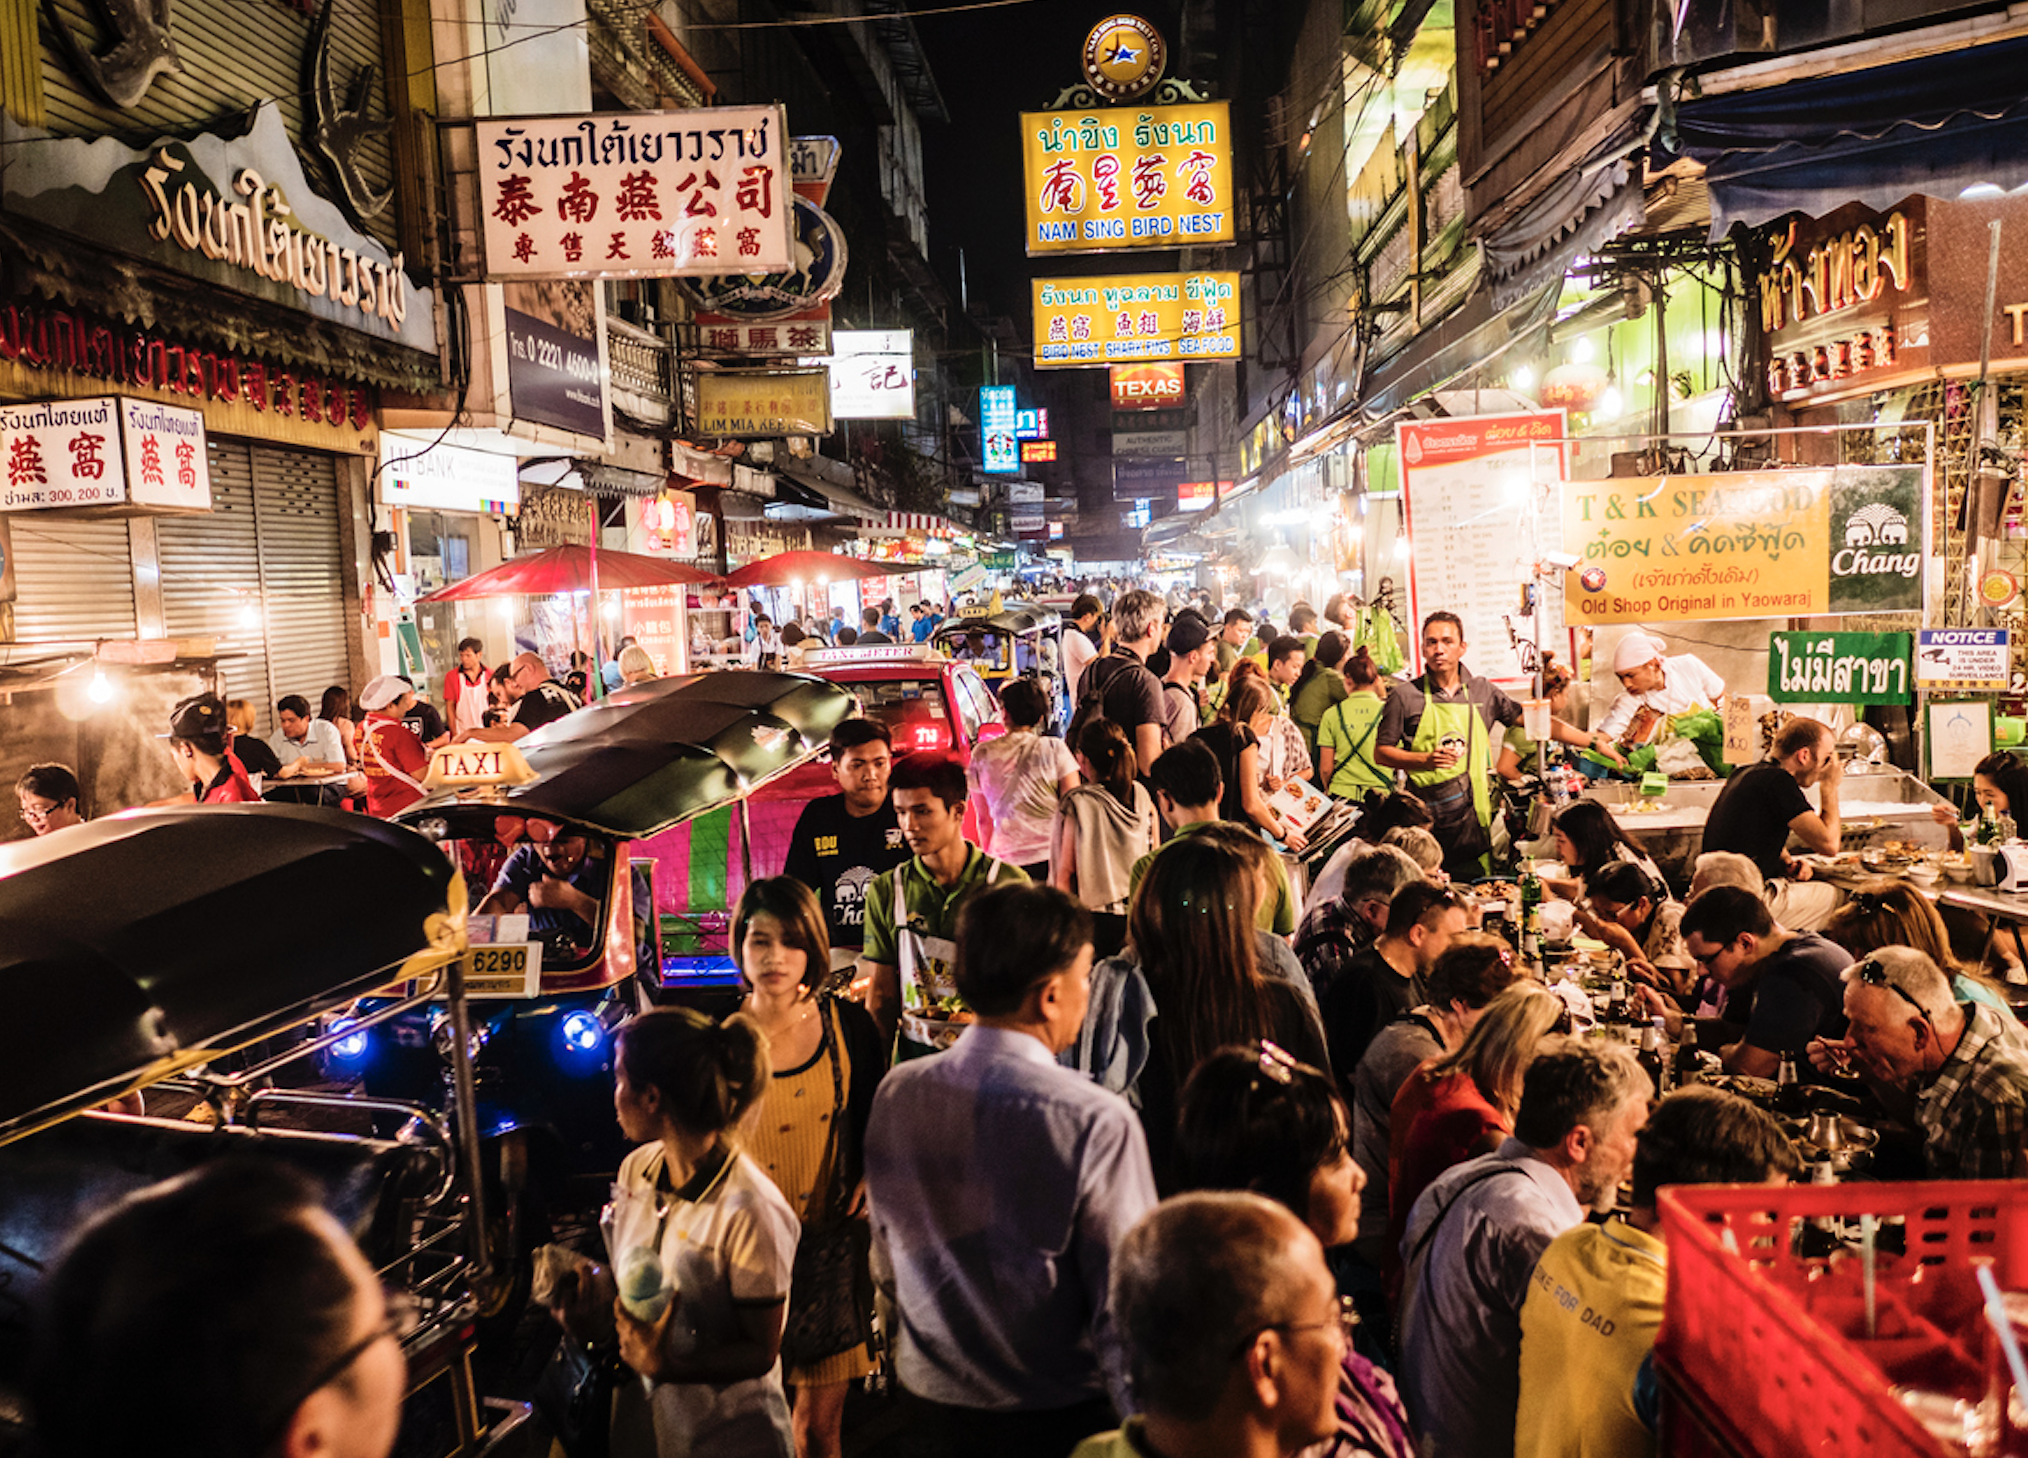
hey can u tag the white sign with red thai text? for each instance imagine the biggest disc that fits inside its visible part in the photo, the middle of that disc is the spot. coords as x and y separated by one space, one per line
1482 501
637 194
103 452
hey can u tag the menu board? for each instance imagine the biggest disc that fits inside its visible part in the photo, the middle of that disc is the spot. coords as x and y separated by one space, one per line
1482 499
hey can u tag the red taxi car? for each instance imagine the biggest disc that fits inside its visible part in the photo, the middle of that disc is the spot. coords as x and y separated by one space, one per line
930 702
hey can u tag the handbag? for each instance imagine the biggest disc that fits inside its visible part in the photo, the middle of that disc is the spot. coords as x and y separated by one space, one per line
574 1394
831 1283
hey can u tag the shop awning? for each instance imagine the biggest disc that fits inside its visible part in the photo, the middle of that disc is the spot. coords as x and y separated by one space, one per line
1592 203
1476 334
1937 125
841 499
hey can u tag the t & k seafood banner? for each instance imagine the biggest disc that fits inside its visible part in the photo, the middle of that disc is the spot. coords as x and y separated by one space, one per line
1749 544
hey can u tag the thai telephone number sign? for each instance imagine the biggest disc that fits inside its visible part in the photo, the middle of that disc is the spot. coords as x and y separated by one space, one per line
1963 658
643 194
1144 316
1838 668
1128 177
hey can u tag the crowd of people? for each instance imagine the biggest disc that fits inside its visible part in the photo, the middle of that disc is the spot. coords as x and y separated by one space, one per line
1103 1149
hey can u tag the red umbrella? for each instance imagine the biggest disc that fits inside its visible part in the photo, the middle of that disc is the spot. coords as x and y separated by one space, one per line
785 568
571 569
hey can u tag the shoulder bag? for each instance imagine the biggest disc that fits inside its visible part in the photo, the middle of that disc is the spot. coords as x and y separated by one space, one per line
831 1285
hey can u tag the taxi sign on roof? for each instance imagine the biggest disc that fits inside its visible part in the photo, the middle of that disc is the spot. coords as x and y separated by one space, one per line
473 766
878 653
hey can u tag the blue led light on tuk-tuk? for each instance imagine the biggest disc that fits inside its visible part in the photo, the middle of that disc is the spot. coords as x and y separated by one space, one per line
352 1047
583 1032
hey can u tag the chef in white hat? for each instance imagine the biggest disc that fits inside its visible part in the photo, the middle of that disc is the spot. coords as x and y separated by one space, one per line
1666 685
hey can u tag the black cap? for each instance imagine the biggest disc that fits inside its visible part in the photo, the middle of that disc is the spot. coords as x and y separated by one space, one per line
197 716
1188 633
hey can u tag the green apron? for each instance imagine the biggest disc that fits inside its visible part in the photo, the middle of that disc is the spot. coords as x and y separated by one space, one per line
1459 721
1358 772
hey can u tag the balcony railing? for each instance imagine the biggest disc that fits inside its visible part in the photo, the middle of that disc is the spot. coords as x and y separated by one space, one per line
643 373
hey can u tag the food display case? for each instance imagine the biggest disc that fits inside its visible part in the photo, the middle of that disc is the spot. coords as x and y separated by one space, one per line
1879 807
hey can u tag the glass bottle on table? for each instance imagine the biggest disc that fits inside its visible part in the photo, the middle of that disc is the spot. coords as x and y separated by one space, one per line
1650 1056
1789 1096
1688 1065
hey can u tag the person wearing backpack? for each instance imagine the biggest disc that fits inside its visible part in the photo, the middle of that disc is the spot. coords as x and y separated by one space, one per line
1191 653
1119 686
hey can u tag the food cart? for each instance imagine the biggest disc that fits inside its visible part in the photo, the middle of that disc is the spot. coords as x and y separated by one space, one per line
182 955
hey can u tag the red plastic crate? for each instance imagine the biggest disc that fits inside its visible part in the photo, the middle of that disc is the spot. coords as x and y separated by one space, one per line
1770 1347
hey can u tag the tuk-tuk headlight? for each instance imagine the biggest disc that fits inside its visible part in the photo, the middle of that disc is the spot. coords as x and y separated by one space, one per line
583 1032
352 1047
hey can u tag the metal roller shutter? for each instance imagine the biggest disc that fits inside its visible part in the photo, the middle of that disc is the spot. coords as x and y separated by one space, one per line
302 574
211 577
73 579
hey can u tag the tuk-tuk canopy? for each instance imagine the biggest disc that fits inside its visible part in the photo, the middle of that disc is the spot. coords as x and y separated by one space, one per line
144 943
655 754
1011 619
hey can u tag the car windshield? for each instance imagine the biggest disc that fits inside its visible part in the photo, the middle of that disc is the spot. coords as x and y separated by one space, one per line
913 708
535 880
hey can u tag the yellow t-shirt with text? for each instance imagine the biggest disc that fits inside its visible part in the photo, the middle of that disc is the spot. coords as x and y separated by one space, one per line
1593 1307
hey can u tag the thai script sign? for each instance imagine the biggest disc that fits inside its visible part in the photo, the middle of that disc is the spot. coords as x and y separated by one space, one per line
1037 452
1128 177
1145 316
1032 424
1199 495
1751 544
1971 659
763 402
103 452
1838 668
1139 477
644 194
1835 298
999 445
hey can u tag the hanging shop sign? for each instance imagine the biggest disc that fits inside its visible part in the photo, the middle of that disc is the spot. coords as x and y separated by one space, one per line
1838 668
1968 659
1127 317
1037 452
418 470
1480 503
44 349
237 212
763 402
1151 442
1113 179
557 368
759 298
1752 544
872 374
1031 424
103 452
1146 386
1844 300
652 194
1124 56
999 446
1148 476
1200 495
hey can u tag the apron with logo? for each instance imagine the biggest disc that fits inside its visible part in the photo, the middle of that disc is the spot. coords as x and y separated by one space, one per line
1456 725
1358 720
929 988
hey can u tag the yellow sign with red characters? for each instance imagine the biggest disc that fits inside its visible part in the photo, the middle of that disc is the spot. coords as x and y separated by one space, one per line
1122 318
1128 177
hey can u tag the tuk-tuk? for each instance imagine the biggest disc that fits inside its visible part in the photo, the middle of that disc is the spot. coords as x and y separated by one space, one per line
1005 641
643 805
186 950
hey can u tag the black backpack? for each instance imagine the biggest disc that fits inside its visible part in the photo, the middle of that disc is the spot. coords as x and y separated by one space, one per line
1098 677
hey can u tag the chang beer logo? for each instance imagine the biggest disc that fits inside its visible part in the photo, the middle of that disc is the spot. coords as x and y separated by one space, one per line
1876 541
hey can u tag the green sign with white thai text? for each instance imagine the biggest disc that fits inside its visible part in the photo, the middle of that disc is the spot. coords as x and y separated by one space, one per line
1839 668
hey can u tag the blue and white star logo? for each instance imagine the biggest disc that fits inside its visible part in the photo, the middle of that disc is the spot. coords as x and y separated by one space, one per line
1122 54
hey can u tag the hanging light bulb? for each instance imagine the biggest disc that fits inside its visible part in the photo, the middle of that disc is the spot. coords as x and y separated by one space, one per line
250 615
1523 379
101 688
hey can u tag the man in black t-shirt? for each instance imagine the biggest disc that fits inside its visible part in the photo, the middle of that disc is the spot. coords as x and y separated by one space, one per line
1379 984
843 841
1128 694
537 699
1781 985
1763 804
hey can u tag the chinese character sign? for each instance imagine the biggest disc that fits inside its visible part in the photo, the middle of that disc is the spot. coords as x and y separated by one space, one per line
764 402
1128 177
998 443
1117 318
167 461
644 194
63 453
873 374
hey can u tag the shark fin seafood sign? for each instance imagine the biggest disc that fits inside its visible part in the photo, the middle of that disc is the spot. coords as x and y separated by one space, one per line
1749 544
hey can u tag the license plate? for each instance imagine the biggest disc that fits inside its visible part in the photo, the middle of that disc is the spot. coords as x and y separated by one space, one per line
512 969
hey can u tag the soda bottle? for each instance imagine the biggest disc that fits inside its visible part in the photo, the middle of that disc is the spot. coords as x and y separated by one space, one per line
1650 1056
1789 1098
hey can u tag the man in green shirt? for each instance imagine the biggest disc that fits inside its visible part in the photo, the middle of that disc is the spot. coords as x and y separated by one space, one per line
1188 787
1232 636
907 964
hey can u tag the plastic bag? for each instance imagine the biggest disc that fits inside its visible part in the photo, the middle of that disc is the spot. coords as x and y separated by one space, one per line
1703 728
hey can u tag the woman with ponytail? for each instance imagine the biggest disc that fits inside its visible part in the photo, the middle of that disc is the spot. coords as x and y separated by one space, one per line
1103 827
1320 685
693 1216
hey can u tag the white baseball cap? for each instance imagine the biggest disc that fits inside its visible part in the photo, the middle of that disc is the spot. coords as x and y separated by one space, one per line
384 690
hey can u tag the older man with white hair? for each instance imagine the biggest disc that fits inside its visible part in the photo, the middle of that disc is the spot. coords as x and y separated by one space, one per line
1652 688
1906 1028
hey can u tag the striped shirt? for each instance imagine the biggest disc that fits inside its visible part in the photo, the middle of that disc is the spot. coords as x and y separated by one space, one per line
1974 1113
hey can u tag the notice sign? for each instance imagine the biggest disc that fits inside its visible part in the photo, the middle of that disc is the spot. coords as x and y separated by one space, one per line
763 402
1480 497
646 194
999 445
1838 668
1097 182
1152 316
1750 544
1971 659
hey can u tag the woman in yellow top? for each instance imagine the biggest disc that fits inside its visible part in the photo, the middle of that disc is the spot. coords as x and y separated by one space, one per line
1346 766
808 1134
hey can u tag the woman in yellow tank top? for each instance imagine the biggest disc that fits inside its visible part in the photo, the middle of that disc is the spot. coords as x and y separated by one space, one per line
1346 766
807 1133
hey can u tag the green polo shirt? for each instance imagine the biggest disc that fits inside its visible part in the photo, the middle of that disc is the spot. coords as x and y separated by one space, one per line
936 905
1279 918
